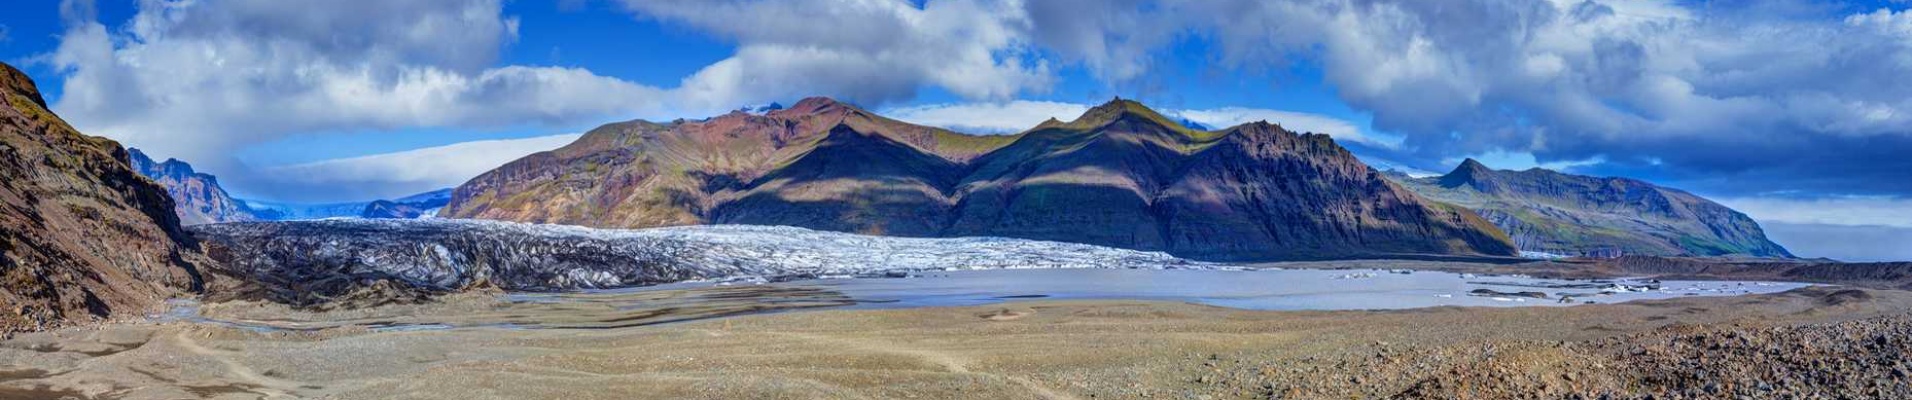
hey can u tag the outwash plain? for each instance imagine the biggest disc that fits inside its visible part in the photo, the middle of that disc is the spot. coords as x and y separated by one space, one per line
780 341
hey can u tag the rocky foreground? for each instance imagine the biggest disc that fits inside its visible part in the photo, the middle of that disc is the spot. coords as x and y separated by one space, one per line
1808 343
1864 358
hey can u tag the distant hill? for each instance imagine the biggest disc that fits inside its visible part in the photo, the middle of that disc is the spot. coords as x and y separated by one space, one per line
82 235
1121 175
1552 212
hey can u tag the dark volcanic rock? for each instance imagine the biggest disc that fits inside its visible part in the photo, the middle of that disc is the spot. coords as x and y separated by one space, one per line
1121 175
1759 358
1893 275
82 235
1497 293
1864 359
1552 212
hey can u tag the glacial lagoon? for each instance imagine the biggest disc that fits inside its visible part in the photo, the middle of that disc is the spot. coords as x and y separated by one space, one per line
1264 289
1255 289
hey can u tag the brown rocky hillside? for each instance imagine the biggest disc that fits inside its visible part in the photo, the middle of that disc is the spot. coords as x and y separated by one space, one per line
82 235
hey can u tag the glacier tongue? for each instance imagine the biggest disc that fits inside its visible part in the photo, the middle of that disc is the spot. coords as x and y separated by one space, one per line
332 257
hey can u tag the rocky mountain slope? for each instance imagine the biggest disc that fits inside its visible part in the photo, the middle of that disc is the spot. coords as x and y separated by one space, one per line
306 262
1552 212
82 235
197 197
1121 175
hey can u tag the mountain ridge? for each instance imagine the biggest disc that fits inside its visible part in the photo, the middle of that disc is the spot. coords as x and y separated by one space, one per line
1559 213
1121 175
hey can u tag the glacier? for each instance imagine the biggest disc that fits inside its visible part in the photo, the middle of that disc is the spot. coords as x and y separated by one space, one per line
332 257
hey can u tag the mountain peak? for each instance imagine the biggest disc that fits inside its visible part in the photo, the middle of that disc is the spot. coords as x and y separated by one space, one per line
1470 173
1120 105
1471 164
819 105
16 82
1116 109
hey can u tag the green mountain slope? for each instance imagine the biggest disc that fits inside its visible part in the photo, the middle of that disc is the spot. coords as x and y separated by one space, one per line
1558 213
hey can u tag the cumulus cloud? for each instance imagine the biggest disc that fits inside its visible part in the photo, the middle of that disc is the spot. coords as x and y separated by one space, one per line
1340 129
202 79
870 52
1007 117
391 175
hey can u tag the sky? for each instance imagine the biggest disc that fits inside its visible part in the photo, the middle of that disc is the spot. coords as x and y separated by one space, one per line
1796 112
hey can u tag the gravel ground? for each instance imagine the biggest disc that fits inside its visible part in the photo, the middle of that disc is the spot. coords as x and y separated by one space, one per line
1819 342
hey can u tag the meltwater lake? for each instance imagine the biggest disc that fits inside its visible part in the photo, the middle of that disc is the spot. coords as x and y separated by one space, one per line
1266 289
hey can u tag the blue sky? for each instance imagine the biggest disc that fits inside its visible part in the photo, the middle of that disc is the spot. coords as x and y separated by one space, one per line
1795 111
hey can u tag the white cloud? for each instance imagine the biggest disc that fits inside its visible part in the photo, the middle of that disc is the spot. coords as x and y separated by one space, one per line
397 174
1340 129
866 51
1878 211
202 79
1008 117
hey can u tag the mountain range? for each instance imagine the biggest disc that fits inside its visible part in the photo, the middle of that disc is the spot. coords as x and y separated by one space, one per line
200 200
414 206
1564 214
1121 175
82 235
